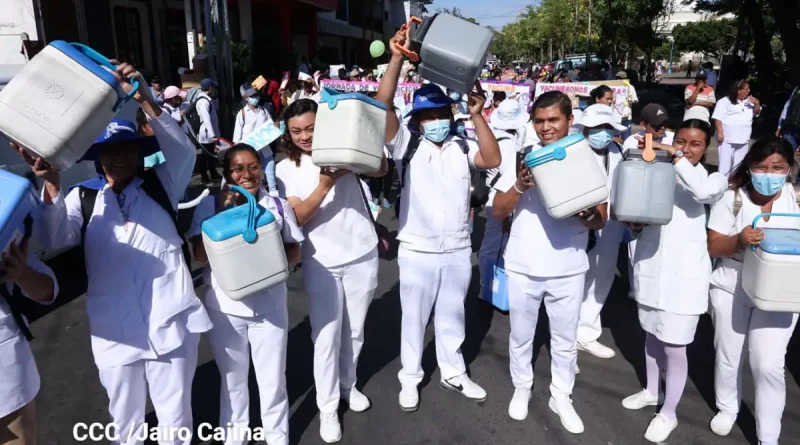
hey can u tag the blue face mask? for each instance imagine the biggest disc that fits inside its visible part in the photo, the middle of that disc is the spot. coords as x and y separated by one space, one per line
455 96
768 184
436 131
253 101
600 138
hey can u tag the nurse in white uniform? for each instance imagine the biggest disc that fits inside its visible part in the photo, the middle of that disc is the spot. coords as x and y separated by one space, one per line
144 317
758 186
340 263
545 262
671 274
435 246
599 129
257 325
733 117
20 378
508 121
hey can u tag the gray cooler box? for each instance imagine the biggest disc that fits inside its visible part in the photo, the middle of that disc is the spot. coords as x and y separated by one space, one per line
452 51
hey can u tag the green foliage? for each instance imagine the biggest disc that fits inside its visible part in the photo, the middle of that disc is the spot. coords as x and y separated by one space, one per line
713 38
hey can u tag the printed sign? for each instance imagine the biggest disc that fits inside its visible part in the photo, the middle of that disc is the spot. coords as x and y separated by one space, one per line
285 79
259 83
264 135
584 88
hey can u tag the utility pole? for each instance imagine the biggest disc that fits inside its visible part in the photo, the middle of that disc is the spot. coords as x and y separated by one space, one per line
589 38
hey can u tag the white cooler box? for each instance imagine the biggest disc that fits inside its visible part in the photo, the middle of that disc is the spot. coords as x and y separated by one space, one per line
18 202
59 103
770 270
245 249
349 132
567 176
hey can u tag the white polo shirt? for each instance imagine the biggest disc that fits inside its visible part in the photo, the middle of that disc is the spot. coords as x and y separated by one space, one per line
341 231
434 203
540 245
737 120
268 300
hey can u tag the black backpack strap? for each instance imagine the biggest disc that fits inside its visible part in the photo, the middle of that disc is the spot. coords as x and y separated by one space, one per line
152 185
88 197
411 150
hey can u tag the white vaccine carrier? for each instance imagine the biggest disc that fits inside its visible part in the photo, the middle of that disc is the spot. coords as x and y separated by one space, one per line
770 270
245 249
567 176
59 103
18 204
349 132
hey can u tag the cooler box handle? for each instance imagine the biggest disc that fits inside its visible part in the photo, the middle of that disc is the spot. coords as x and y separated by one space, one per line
764 215
412 56
103 60
250 235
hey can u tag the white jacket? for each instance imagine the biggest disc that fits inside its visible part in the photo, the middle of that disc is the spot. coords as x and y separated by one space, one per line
671 265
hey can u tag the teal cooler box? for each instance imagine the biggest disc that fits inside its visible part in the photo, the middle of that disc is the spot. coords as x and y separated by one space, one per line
18 208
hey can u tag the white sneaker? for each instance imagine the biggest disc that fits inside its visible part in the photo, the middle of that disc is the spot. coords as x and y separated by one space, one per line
569 418
462 384
640 400
409 399
660 428
722 423
518 408
597 349
356 400
330 430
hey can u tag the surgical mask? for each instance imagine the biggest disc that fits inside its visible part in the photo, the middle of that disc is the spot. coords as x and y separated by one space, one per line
253 101
768 184
436 131
455 96
600 137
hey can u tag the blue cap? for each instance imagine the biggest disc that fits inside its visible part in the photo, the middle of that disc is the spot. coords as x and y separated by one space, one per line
428 97
207 83
122 130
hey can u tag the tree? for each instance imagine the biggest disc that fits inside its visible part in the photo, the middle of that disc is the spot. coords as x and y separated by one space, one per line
713 38
456 12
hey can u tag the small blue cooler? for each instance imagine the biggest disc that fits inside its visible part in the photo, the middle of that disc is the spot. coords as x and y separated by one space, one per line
770 270
17 200
245 249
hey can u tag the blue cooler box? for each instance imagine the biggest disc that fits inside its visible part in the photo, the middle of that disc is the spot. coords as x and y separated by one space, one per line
17 200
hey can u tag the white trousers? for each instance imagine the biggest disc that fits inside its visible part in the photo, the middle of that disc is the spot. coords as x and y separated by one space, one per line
429 280
730 156
562 297
767 335
602 270
338 300
232 339
169 381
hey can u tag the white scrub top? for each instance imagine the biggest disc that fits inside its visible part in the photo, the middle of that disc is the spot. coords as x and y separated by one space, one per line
434 203
632 142
141 301
727 273
19 383
247 120
540 245
671 266
268 300
341 230
737 120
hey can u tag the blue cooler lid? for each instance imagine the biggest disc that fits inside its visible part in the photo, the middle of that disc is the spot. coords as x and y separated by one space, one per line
233 222
555 151
14 191
781 241
332 98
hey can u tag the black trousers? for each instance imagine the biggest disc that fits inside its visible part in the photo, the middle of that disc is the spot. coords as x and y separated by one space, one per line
384 184
208 163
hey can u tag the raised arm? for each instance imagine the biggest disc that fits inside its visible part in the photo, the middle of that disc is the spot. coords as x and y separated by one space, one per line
388 86
705 189
489 154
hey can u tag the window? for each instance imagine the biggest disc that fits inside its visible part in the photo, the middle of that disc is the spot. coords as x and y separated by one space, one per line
128 33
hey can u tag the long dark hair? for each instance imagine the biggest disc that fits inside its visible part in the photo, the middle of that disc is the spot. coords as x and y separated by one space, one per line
598 93
230 153
734 88
296 109
761 150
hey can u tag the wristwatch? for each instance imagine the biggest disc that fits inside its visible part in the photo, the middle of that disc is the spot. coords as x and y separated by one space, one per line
678 154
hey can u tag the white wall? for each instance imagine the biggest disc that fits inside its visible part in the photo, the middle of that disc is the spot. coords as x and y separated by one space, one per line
17 16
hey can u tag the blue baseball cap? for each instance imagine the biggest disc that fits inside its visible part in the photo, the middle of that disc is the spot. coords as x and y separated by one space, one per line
207 83
122 130
428 97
